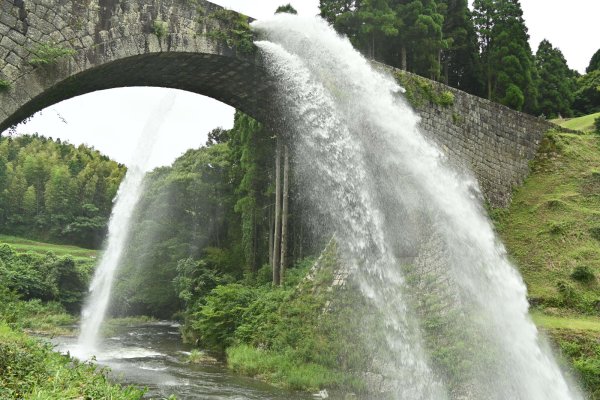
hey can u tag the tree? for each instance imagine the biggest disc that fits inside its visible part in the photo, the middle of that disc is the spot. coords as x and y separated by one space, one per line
508 60
461 66
285 213
587 96
594 62
60 196
286 9
483 17
277 232
557 86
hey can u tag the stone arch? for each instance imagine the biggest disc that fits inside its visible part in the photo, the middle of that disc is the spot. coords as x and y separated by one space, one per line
116 45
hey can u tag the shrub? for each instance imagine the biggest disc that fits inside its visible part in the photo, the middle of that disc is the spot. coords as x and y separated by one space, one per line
222 313
597 125
4 85
49 53
595 232
234 30
446 98
29 369
583 274
160 28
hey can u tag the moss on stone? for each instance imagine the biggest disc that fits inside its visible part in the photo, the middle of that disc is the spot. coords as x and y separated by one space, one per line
232 28
4 85
419 91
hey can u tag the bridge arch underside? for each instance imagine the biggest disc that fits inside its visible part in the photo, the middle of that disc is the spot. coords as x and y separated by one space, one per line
231 80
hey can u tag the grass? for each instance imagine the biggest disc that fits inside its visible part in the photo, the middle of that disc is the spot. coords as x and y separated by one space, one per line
585 123
22 245
282 369
552 233
550 228
31 370
552 322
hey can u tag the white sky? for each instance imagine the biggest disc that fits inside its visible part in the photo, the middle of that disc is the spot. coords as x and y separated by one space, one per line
111 120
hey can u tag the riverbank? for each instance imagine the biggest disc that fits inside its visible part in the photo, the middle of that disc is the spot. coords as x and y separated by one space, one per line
30 368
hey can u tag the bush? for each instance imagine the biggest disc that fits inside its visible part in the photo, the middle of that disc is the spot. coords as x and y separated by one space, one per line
583 274
29 369
49 53
44 277
160 28
222 313
4 85
446 98
597 125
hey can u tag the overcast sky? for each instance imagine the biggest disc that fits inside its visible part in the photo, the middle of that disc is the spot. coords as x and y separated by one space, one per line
111 121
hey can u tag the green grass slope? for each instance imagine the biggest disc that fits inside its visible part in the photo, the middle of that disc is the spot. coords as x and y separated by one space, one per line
22 245
552 233
585 123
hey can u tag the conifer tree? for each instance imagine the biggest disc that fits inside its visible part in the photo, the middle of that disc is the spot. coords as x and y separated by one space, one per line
507 56
461 66
556 90
594 62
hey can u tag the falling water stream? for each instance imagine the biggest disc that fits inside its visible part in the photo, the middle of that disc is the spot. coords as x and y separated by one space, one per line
394 200
128 195
397 205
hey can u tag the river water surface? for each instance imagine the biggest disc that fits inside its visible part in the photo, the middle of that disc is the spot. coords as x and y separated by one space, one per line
153 356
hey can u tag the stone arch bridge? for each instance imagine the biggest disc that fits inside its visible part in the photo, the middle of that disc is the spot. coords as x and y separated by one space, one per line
52 50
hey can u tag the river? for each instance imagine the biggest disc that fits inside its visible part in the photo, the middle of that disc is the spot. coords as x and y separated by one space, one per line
152 355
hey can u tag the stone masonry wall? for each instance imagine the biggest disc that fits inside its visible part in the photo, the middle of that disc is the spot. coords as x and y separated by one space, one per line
114 44
494 142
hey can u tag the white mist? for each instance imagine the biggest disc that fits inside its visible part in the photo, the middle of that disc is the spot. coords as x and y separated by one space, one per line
391 197
129 193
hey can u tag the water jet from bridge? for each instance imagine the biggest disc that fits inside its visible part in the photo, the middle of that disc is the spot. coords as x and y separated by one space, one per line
401 211
129 193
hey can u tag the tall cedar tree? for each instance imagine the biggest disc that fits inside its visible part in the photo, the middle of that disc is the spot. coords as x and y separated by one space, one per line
594 62
557 85
508 60
461 65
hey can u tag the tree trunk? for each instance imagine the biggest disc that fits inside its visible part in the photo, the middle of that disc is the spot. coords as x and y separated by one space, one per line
284 213
271 227
403 58
489 83
277 237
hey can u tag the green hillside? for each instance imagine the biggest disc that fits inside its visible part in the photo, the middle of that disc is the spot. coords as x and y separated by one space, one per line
552 233
585 123
22 245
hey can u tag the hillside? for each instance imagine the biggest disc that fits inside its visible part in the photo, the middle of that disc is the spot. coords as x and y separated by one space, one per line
552 232
55 192
22 245
585 123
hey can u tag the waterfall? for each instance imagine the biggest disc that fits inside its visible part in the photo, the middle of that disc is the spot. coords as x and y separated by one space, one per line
129 193
399 206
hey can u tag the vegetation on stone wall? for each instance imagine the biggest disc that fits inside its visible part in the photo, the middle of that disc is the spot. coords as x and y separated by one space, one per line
4 85
419 91
160 28
232 28
49 53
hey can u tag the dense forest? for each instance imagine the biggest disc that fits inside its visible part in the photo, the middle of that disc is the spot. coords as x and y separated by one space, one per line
483 51
211 217
55 191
